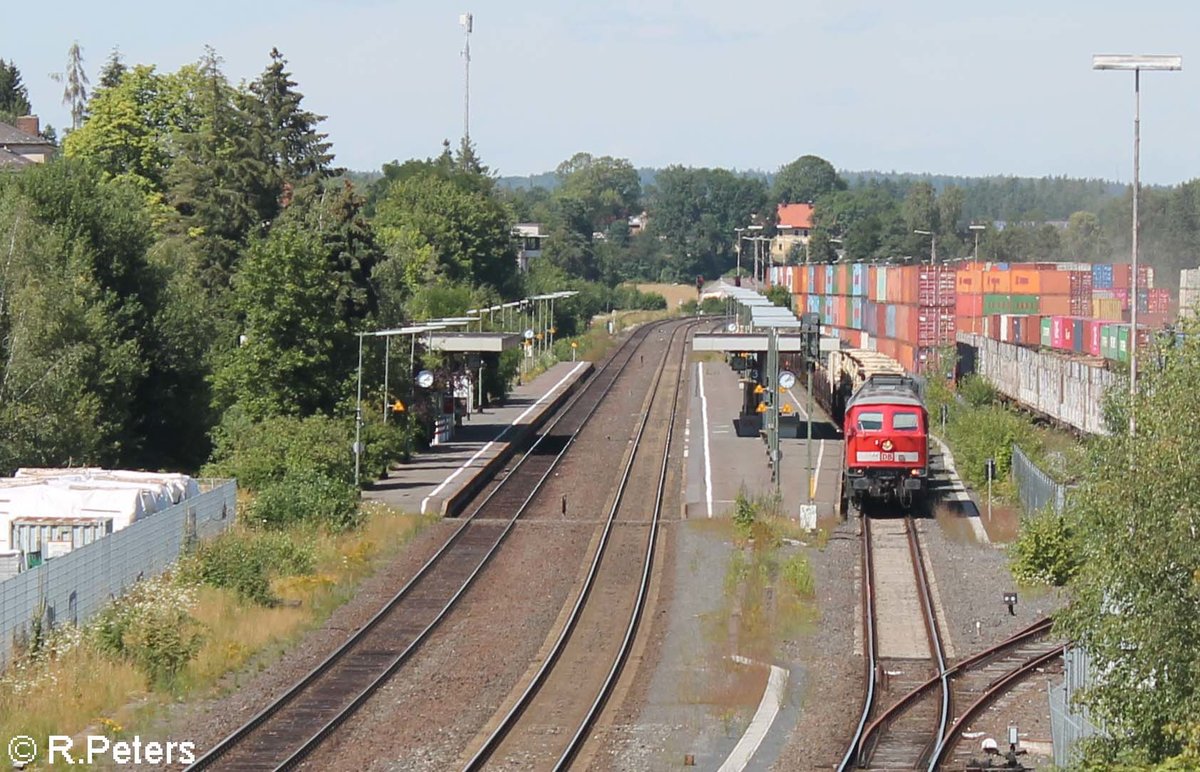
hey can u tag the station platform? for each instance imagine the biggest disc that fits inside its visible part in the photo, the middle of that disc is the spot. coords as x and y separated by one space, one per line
443 478
721 461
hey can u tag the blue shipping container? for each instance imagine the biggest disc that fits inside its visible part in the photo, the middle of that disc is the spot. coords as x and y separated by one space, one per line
881 284
1078 343
829 281
869 317
858 282
890 322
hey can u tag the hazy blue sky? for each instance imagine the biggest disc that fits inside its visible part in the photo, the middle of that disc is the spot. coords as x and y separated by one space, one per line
949 87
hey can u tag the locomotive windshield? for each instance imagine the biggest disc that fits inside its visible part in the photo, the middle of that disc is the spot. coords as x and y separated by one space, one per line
870 422
905 422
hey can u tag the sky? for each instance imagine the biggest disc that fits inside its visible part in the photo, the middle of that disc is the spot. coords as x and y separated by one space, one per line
937 86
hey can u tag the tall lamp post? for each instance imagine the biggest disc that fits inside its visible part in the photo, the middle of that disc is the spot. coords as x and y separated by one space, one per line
739 232
1137 64
976 229
755 239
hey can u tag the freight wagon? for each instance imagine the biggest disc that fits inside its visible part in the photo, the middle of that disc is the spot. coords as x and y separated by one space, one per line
1066 389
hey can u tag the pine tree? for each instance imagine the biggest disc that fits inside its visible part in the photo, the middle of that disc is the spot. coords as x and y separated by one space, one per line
220 189
290 142
114 69
75 91
14 97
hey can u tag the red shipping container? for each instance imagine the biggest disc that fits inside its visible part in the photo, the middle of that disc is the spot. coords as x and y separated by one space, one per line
969 324
1058 332
1031 331
820 282
1092 329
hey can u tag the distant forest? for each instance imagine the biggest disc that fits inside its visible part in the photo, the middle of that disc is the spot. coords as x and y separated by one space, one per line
1009 199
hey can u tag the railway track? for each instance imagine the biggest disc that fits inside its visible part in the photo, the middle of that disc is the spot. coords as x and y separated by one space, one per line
911 697
550 720
295 724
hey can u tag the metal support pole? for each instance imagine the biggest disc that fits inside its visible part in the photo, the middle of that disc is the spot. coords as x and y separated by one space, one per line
1133 313
808 376
412 392
358 416
387 358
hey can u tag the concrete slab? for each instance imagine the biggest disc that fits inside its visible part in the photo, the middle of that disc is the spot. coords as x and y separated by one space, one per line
443 478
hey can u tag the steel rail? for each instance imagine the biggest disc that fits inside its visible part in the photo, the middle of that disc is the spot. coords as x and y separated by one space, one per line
242 733
511 718
870 646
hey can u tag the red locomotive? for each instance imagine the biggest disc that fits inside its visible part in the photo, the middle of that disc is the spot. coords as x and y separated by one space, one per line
885 426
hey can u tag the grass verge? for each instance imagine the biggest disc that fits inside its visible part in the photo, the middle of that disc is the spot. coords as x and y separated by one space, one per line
96 680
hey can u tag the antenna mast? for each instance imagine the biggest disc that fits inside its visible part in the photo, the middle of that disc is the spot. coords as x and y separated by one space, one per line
466 20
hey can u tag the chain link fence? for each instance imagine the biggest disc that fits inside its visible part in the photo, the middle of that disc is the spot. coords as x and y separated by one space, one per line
1035 488
73 587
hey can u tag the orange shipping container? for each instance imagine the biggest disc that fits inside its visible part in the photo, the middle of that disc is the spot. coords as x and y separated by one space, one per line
1055 283
1023 281
997 282
872 277
1055 305
968 282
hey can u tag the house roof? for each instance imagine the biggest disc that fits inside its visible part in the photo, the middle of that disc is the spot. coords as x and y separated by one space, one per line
795 215
11 135
11 160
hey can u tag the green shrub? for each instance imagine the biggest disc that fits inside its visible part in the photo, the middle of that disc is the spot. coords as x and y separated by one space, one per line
1044 552
633 299
743 514
382 444
797 575
306 497
259 454
151 626
977 391
245 561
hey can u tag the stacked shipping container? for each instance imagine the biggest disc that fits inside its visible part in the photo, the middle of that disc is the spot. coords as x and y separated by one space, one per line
907 312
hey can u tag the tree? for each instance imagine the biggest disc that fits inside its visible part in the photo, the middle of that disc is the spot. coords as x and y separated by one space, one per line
607 188
135 127
286 298
114 69
75 92
695 212
290 142
441 223
219 186
1135 594
806 179
14 97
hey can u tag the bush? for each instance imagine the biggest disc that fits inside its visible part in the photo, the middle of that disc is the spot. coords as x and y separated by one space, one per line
152 627
382 444
259 454
245 561
633 299
306 497
743 514
977 391
1044 552
797 575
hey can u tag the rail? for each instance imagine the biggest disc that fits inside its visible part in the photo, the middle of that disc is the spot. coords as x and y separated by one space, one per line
312 712
527 697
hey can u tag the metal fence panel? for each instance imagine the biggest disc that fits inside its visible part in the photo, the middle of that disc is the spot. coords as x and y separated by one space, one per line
1034 487
1068 727
73 587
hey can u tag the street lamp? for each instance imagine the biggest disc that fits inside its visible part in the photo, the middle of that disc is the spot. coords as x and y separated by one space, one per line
932 244
739 232
1137 64
977 229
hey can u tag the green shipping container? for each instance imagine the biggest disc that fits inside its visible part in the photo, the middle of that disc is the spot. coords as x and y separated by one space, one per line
1046 331
1024 304
997 304
1123 343
1106 338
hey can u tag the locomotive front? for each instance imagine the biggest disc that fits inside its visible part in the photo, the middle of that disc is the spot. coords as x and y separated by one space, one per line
886 429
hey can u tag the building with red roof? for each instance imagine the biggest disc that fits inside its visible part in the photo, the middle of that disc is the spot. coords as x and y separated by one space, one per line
794 223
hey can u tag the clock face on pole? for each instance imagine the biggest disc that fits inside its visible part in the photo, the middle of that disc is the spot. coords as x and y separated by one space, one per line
424 379
787 379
